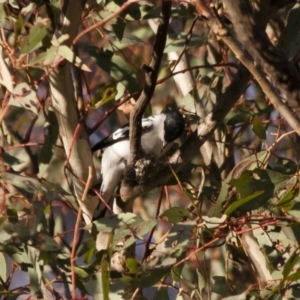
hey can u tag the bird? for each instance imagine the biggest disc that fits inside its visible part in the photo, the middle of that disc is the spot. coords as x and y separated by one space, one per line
158 131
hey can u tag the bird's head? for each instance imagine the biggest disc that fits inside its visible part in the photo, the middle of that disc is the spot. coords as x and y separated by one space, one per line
174 125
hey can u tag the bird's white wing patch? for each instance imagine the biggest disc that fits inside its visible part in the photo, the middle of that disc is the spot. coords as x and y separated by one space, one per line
121 133
147 124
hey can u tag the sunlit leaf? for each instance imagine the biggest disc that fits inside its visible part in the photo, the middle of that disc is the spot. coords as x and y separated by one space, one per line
2 15
45 58
3 269
69 55
5 76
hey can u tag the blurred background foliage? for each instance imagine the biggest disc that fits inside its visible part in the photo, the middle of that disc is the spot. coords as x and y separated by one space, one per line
189 236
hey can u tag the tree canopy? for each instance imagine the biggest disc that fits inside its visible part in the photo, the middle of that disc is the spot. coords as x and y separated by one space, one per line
217 216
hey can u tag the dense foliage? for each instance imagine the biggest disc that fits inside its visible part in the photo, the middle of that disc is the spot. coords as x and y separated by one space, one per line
220 219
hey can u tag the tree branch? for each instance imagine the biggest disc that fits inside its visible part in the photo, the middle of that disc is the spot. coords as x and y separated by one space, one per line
191 147
64 105
151 74
266 56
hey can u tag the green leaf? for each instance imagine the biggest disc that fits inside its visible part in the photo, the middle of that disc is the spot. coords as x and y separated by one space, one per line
47 243
249 163
131 265
294 276
87 249
12 215
289 40
151 277
9 249
221 286
81 272
44 59
127 40
177 239
176 272
3 269
253 181
109 224
104 95
175 214
35 36
34 281
123 226
2 15
258 128
116 66
69 55
286 201
119 28
124 232
240 115
241 202
105 277
19 24
10 160
291 263
30 185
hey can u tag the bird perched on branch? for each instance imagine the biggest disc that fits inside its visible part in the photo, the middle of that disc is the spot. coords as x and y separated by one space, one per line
157 132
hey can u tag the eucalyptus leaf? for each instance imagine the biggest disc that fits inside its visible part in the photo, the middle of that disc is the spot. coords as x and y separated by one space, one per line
258 128
35 36
116 66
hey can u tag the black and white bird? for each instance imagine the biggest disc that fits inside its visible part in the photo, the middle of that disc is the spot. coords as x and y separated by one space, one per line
157 132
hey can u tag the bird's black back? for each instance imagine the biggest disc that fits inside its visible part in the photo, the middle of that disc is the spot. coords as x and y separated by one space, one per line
121 134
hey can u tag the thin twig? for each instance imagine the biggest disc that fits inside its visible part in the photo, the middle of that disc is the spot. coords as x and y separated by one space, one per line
76 231
104 21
